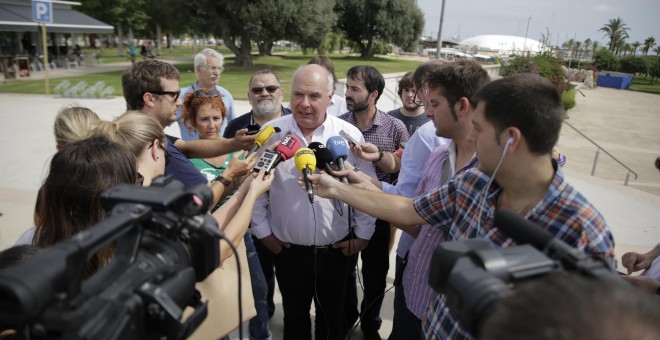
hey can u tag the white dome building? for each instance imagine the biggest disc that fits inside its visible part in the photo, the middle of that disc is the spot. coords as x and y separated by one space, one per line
501 44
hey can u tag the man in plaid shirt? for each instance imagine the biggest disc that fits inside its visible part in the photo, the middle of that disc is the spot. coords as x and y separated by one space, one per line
517 122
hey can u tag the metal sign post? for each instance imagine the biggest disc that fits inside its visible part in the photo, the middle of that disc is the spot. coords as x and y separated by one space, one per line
42 12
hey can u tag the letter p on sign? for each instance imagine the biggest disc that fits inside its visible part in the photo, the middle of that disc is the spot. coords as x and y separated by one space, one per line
42 11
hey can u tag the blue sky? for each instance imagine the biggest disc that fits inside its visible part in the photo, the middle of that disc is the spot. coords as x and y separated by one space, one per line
565 19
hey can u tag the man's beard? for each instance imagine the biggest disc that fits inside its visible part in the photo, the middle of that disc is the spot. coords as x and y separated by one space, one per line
357 106
265 108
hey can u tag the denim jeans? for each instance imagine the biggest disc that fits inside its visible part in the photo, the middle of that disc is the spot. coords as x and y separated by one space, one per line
258 325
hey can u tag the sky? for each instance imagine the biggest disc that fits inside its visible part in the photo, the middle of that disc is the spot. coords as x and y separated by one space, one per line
579 19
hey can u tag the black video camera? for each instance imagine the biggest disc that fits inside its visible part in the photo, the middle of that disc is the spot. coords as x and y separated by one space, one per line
473 274
165 242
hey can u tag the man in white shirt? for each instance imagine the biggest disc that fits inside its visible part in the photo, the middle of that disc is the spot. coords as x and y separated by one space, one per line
311 242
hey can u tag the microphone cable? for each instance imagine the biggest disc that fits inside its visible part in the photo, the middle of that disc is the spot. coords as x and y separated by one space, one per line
240 290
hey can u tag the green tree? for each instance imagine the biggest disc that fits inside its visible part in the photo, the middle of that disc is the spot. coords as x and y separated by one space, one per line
364 21
648 45
123 14
617 32
604 59
654 70
657 51
312 21
634 65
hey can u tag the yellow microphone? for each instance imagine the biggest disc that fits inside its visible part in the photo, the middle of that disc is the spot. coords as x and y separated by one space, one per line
263 137
306 163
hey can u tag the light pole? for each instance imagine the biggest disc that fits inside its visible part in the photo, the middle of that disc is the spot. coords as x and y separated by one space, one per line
526 31
439 45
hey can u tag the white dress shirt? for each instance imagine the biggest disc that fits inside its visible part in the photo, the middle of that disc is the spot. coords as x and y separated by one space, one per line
285 210
337 106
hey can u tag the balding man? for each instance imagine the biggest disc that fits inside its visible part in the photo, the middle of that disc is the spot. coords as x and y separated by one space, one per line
311 242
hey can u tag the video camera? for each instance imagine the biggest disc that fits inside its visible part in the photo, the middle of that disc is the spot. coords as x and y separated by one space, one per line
165 242
473 274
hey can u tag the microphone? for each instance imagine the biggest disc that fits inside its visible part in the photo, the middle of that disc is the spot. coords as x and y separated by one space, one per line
339 152
323 157
306 163
523 231
285 150
263 137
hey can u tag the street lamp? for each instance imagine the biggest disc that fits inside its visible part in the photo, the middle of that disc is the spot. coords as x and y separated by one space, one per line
439 44
526 31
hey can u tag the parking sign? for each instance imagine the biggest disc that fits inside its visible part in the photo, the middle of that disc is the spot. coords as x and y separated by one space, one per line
42 11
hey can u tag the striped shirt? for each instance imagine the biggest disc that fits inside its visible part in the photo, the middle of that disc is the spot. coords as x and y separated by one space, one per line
386 132
416 274
457 211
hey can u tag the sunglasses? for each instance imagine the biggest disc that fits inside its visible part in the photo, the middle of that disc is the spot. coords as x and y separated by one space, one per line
201 94
174 94
168 157
260 89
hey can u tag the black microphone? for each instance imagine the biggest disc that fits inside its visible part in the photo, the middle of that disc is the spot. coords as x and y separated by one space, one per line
523 231
323 157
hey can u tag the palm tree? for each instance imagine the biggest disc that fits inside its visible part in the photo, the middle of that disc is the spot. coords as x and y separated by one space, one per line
568 45
617 32
586 46
635 46
657 50
648 45
594 47
626 47
578 47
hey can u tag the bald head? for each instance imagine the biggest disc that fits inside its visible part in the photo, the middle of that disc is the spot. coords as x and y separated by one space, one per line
311 90
316 71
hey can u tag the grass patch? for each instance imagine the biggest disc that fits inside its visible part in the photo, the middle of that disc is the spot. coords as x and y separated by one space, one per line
568 99
234 78
640 84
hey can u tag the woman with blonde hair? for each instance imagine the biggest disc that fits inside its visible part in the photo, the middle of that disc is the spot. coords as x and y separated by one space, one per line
144 137
72 124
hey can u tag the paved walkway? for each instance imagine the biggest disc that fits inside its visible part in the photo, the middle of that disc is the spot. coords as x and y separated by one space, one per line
627 124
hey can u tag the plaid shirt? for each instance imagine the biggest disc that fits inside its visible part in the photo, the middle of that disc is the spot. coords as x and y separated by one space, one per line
455 209
386 132
416 274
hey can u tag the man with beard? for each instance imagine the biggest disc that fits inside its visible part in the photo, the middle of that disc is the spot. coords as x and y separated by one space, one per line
364 85
209 64
411 113
265 95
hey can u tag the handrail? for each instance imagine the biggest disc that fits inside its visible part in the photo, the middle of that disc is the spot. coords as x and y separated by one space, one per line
593 168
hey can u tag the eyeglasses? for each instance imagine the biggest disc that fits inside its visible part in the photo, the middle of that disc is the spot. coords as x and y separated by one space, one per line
174 94
270 88
416 100
168 157
201 94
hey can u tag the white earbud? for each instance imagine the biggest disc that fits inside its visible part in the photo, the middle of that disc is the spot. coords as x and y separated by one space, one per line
509 142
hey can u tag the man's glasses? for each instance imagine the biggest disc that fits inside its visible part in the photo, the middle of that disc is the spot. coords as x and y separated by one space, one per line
174 94
259 89
201 94
416 99
168 157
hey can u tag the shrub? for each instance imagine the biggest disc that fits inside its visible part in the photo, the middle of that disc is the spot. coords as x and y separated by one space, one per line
543 64
605 60
568 99
633 65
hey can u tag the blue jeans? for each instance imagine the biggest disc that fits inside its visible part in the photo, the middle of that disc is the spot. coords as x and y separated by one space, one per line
258 325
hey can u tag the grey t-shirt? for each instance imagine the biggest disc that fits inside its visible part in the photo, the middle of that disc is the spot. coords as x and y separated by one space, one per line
411 123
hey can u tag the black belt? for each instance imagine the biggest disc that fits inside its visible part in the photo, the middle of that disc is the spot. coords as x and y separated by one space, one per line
317 248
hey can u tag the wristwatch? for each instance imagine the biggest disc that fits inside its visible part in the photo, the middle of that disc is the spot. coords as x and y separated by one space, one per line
381 154
223 180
